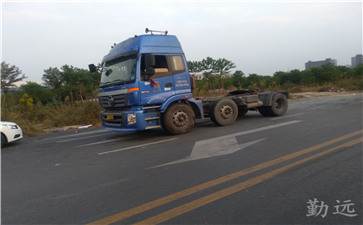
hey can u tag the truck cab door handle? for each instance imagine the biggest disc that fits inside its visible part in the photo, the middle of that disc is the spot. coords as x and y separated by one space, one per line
168 85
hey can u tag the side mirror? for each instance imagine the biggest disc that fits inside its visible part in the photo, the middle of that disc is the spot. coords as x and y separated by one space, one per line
92 68
149 64
150 71
149 60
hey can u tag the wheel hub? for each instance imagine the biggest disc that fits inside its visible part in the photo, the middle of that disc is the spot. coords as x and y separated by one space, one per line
226 112
180 119
278 104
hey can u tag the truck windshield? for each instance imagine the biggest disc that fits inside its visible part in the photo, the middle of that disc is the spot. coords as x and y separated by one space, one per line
120 71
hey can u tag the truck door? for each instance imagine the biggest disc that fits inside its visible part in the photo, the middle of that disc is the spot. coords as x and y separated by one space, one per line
161 86
181 75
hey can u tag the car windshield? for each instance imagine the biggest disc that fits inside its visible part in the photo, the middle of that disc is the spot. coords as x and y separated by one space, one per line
120 71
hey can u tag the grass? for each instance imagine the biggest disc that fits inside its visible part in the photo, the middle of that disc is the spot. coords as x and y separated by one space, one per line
35 119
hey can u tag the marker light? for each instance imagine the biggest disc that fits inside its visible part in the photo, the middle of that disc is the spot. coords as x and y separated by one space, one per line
133 89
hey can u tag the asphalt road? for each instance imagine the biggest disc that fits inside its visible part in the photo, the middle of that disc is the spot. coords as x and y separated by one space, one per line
302 168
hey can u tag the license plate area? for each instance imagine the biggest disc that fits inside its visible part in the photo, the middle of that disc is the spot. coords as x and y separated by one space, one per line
110 117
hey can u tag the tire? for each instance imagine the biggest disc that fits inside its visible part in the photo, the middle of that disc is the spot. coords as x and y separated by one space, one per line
242 111
224 112
278 106
179 118
3 140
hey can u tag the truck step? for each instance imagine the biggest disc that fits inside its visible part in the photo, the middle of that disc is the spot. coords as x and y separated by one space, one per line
151 107
152 127
152 118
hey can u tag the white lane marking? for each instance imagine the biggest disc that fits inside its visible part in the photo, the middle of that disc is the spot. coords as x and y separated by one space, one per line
79 134
283 117
105 141
137 146
206 149
260 129
227 143
98 143
80 138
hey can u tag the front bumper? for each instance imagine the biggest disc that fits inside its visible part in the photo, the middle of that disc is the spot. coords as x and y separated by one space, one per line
12 134
130 120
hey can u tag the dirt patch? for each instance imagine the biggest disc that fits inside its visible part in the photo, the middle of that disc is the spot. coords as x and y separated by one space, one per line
321 94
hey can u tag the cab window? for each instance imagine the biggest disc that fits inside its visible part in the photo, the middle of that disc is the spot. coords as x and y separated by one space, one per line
162 68
177 63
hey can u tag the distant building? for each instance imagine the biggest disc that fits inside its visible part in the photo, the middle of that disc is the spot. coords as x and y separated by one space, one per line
310 64
201 76
357 60
17 85
198 76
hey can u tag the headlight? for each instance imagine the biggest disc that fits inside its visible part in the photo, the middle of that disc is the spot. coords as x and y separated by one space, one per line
131 118
11 126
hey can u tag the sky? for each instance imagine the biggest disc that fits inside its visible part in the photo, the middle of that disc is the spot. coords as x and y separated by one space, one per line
260 37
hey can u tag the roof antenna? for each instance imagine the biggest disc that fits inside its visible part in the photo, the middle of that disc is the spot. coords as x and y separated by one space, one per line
151 31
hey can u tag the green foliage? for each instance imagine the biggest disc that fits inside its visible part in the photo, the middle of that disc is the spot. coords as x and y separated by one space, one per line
214 71
9 75
37 92
68 98
325 77
194 66
358 72
72 83
238 79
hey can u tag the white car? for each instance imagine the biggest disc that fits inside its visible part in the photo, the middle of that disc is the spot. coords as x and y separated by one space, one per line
10 132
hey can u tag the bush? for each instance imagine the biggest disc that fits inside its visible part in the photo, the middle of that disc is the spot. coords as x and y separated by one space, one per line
35 119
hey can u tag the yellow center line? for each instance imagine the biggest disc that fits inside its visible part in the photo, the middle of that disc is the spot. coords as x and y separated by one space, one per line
189 191
177 211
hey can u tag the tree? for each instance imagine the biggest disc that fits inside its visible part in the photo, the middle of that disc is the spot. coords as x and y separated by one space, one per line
358 71
9 75
195 66
223 67
307 77
295 76
237 79
282 77
52 78
253 81
329 73
37 92
70 78
207 65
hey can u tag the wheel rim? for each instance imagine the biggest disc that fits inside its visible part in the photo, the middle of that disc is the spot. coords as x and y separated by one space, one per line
226 112
180 119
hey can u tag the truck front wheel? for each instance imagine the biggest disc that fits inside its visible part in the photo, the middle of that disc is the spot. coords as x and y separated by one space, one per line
224 112
179 118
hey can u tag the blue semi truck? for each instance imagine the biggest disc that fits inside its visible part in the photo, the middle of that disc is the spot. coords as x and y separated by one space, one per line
145 84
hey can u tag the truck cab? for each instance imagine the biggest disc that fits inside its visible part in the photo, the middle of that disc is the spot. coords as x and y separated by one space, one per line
140 78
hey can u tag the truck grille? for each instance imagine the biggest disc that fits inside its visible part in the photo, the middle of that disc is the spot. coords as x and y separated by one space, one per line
113 101
116 121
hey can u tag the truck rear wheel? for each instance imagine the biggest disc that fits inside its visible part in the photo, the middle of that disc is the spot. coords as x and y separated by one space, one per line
179 118
224 112
278 106
242 111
